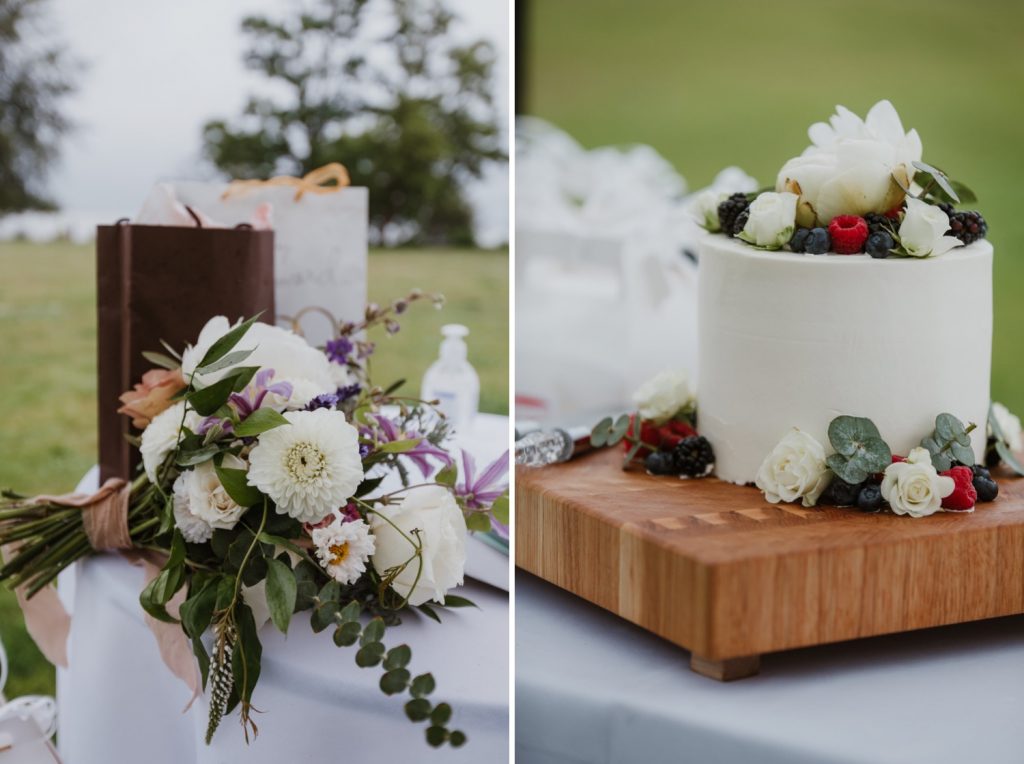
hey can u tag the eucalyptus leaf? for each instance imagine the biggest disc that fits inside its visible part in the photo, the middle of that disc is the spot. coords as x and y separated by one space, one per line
436 736
602 431
939 177
282 590
619 430
351 611
398 657
373 632
347 634
967 196
441 715
394 681
370 655
860 450
422 685
418 709
1009 458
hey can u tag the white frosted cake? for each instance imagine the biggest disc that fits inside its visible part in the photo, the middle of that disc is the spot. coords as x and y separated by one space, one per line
795 341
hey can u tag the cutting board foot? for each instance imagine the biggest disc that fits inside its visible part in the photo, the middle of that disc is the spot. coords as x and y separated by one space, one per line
726 670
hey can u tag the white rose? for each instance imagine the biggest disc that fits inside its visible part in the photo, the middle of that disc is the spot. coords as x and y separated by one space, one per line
922 229
207 498
849 167
795 469
160 438
914 487
772 219
293 360
432 510
1009 423
704 208
661 398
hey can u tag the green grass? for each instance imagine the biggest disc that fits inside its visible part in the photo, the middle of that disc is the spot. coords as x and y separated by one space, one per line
709 84
48 368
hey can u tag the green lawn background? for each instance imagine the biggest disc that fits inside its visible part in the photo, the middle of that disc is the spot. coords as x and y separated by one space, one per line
709 84
48 368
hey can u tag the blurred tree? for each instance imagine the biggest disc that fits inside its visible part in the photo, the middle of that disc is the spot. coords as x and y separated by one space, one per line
33 82
383 87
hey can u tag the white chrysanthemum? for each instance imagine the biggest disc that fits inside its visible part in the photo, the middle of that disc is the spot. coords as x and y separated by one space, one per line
194 529
310 466
160 438
344 549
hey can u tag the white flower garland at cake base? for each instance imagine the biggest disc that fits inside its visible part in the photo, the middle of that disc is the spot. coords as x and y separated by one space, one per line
794 470
914 487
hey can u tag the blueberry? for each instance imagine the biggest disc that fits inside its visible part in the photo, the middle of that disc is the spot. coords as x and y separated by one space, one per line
799 239
870 497
980 471
818 242
841 494
878 245
987 488
660 463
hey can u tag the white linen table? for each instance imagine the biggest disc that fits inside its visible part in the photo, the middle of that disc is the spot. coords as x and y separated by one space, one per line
592 688
119 703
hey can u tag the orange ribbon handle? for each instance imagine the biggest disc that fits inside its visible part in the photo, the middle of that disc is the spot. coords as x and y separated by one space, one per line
313 182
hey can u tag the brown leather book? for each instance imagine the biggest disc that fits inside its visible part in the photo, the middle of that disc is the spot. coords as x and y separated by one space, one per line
164 283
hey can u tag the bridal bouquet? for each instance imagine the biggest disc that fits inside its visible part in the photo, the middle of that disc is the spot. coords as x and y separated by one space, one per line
275 479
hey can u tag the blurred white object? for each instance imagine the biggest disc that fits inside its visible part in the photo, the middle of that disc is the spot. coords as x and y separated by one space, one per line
26 726
451 379
605 276
320 241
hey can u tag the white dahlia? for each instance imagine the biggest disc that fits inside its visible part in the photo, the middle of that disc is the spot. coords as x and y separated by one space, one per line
309 467
344 549
160 438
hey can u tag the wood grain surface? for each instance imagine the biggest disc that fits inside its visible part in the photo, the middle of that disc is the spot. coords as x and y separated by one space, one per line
714 568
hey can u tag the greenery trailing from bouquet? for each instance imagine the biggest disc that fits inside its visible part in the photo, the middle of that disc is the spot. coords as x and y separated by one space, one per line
262 489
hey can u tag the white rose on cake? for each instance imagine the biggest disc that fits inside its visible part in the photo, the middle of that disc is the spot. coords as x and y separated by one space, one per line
293 360
794 470
1009 425
849 167
665 395
922 232
914 487
772 218
704 208
433 511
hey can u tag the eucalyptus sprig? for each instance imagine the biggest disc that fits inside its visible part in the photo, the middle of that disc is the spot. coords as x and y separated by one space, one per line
1000 444
611 432
950 442
859 449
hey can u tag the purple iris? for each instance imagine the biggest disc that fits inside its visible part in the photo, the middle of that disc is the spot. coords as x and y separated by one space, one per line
251 398
387 432
480 491
339 350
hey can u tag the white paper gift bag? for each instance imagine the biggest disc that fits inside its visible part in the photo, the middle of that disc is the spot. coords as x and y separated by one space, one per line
320 239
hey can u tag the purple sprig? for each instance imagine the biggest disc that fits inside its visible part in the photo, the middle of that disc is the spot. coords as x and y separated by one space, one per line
387 431
480 491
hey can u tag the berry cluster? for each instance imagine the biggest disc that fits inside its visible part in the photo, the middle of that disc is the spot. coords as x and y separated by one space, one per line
968 226
847 235
691 457
733 214
972 485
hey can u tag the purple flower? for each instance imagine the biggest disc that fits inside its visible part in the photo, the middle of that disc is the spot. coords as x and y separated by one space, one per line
348 391
481 491
387 432
339 350
324 401
251 398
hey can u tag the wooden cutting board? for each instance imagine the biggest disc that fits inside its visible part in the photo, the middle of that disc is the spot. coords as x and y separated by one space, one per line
713 568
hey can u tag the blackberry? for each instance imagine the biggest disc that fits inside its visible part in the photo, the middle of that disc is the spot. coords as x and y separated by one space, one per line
839 493
740 222
799 239
818 242
870 497
729 210
660 463
986 487
694 456
967 226
878 222
948 208
879 244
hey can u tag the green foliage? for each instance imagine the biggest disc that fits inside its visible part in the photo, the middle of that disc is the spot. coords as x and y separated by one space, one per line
950 441
1001 444
282 590
35 79
412 123
860 450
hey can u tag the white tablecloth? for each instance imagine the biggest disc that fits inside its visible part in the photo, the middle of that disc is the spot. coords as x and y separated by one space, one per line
119 703
592 688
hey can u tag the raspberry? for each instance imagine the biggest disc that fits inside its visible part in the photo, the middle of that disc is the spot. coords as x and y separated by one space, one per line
648 434
964 495
848 232
729 210
672 432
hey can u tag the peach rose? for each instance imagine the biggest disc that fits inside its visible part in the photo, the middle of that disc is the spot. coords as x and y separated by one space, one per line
151 396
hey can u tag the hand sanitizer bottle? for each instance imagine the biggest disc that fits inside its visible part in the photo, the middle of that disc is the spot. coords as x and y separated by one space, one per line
452 381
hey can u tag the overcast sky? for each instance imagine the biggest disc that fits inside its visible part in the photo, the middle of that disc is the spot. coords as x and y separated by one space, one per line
154 71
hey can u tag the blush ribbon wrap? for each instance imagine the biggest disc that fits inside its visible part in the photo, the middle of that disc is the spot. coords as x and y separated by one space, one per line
105 520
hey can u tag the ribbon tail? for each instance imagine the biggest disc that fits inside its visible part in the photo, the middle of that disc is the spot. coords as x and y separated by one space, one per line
48 623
